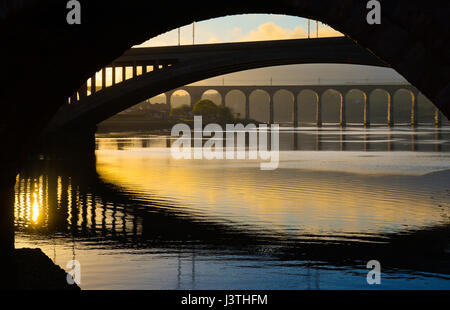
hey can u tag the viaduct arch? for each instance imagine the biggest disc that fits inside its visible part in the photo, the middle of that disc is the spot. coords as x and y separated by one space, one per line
196 92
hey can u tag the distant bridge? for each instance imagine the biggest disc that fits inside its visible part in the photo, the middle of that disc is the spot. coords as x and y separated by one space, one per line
196 93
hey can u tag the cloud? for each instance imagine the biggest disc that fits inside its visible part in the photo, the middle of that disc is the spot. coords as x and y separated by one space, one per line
271 31
266 31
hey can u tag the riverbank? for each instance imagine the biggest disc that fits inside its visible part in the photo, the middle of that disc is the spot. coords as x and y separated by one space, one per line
35 271
141 123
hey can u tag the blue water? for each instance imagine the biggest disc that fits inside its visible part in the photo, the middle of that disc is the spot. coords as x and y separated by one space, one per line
138 219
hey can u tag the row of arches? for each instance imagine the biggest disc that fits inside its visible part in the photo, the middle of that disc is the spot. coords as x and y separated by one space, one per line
355 106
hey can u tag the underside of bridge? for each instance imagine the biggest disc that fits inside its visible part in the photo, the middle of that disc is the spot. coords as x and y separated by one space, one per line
211 60
44 60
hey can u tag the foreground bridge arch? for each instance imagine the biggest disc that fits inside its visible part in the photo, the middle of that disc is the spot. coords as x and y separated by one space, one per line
412 38
421 35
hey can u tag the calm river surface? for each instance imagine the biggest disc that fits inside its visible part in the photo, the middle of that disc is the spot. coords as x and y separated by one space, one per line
135 218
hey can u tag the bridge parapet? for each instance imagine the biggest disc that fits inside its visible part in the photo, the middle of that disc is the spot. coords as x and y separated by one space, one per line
264 53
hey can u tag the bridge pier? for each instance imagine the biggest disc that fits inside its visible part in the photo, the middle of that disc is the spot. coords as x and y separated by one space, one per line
195 98
113 68
437 118
168 100
7 182
6 214
67 143
247 106
103 78
124 73
319 112
414 110
342 121
295 118
222 98
93 84
73 98
134 71
366 112
271 111
83 90
390 111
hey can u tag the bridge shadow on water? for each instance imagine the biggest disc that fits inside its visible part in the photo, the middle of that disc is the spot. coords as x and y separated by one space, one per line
75 204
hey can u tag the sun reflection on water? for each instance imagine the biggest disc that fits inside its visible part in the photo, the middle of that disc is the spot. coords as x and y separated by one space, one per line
35 209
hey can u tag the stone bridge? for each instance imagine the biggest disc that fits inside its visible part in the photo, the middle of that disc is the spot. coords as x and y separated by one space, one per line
44 60
196 93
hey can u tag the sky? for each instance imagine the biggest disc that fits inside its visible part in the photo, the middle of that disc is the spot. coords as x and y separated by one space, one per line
256 27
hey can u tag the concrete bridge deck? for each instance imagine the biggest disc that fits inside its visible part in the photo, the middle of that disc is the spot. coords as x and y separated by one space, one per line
177 66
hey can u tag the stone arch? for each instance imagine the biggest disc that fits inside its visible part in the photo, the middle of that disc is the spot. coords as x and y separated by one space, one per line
134 28
213 95
235 99
331 101
283 106
379 101
159 99
180 98
307 101
425 110
259 101
402 100
355 103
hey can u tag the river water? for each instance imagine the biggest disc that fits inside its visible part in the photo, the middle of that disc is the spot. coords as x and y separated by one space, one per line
135 218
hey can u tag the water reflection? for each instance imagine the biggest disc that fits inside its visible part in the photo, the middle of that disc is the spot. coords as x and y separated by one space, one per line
427 139
136 211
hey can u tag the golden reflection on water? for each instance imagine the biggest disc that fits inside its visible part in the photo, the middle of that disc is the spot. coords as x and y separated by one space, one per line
286 200
29 203
35 209
57 209
289 200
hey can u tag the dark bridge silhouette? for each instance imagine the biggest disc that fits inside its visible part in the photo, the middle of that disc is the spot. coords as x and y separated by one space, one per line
45 60
173 67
